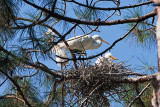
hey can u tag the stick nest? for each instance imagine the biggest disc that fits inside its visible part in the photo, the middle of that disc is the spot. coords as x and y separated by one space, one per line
97 79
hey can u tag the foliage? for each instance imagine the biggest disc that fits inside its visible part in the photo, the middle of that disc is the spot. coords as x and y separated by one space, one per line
144 34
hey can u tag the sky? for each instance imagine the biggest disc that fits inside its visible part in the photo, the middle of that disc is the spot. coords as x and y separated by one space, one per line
125 50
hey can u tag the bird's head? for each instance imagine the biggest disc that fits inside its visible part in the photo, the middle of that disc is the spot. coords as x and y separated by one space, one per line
97 37
49 32
109 56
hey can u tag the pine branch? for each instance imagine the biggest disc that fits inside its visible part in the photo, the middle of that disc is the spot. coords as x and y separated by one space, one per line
36 66
33 24
100 23
17 86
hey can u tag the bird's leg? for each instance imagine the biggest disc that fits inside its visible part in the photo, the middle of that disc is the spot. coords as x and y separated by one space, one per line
65 69
62 85
62 68
83 53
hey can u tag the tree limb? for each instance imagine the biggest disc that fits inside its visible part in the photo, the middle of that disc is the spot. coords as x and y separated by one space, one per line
36 66
95 23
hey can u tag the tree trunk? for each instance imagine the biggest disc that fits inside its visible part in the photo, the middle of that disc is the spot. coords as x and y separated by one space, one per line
158 35
156 81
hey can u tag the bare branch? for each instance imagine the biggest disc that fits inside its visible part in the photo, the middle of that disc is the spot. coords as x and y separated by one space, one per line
140 79
32 74
13 96
116 8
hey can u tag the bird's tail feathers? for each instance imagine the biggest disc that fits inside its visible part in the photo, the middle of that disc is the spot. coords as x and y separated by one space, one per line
60 54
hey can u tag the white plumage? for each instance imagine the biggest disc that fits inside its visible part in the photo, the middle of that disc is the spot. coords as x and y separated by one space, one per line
62 53
82 43
104 59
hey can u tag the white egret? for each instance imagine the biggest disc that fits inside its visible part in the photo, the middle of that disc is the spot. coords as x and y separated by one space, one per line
82 43
103 59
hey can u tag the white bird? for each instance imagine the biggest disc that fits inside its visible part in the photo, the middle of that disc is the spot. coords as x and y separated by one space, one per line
83 42
61 53
104 59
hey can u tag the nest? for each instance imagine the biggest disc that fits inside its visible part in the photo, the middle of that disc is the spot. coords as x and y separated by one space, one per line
96 80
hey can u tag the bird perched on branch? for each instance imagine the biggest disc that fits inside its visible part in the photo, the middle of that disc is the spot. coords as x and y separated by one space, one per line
83 42
104 59
79 43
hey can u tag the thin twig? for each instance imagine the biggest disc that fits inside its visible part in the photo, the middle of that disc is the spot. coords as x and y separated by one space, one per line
139 95
3 82
114 8
13 96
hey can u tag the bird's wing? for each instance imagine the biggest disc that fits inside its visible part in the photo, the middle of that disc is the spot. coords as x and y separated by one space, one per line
78 42
99 60
77 37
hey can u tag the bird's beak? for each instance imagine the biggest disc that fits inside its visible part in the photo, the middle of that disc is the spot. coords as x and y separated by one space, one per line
113 58
104 41
45 34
